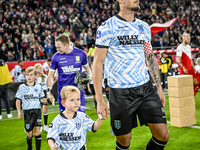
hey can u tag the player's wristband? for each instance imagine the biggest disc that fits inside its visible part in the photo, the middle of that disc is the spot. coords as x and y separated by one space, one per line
100 116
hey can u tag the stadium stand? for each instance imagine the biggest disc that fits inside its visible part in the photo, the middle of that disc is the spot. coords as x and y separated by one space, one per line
24 23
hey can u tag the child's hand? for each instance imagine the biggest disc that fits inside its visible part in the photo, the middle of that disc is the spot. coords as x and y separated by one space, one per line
54 147
20 116
89 90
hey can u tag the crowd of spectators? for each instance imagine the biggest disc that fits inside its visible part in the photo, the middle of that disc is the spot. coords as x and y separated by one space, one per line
161 11
28 28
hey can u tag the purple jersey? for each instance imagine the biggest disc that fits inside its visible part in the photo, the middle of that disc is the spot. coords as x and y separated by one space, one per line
68 65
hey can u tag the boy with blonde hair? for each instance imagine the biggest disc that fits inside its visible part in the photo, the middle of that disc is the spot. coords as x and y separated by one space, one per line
68 130
31 95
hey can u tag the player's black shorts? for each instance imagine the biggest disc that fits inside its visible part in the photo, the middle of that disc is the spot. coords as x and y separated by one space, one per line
92 89
142 101
32 118
106 82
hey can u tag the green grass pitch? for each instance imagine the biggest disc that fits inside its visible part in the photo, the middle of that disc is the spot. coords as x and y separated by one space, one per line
13 137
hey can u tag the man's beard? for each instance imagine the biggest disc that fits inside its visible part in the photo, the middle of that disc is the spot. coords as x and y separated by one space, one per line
135 8
187 42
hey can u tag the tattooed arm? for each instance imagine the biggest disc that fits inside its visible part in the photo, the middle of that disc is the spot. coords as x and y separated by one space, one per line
155 73
153 68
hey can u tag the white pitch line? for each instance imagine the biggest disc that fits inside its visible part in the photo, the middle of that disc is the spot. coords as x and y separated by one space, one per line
91 96
196 127
89 108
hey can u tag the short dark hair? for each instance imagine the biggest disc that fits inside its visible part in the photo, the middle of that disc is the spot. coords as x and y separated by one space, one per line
23 70
49 59
19 61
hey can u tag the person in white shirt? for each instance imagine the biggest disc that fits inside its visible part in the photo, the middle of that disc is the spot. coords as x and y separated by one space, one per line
46 66
22 77
184 59
17 70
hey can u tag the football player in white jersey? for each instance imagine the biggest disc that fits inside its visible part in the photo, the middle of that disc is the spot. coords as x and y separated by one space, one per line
22 77
184 59
17 70
68 129
124 41
31 95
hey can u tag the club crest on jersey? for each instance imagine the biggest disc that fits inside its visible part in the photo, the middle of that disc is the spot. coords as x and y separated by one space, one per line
98 34
117 124
78 126
77 58
36 90
141 28
27 126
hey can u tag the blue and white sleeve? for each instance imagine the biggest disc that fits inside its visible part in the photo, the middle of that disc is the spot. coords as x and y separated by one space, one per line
18 95
53 130
103 36
88 123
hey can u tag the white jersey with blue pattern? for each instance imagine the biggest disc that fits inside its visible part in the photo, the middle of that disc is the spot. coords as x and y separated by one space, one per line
43 84
70 134
30 96
125 57
17 71
21 78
